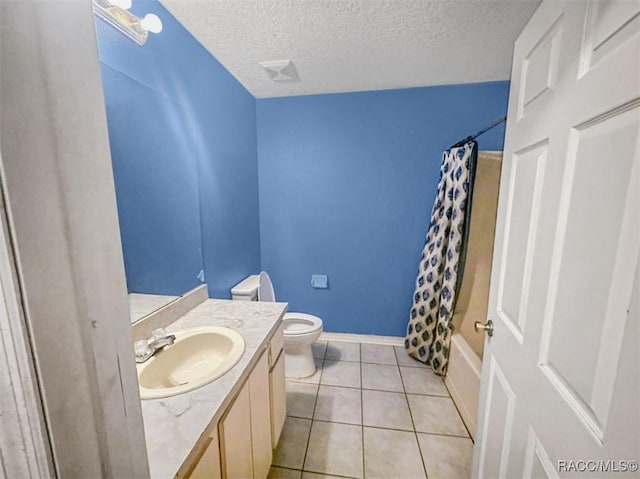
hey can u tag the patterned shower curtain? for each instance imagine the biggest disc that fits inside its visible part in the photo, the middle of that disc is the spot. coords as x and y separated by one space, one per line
442 263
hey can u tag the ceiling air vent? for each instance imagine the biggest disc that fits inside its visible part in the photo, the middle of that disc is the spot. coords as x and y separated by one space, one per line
281 70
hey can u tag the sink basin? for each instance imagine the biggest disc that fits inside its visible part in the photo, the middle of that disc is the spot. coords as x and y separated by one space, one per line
197 357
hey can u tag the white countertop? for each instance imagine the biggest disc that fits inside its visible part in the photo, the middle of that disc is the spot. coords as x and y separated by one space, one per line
173 425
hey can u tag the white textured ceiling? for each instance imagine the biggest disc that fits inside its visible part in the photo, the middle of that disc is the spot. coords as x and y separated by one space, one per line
354 45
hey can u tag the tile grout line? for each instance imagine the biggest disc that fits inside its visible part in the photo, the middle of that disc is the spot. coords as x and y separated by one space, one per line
325 474
412 394
285 467
315 403
372 362
336 422
313 472
384 428
370 389
415 433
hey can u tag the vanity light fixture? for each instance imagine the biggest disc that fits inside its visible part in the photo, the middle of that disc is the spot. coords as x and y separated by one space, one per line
116 13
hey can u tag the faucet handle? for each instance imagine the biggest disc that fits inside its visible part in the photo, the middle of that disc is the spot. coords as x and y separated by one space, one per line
141 347
159 333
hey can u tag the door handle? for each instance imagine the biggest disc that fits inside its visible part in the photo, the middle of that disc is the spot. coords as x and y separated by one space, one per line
486 327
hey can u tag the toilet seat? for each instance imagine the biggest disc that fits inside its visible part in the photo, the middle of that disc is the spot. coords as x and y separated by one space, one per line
265 288
299 324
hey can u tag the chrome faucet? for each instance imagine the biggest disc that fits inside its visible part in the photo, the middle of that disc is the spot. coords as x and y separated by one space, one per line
146 348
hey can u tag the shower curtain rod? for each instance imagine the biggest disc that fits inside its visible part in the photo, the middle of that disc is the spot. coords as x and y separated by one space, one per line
481 132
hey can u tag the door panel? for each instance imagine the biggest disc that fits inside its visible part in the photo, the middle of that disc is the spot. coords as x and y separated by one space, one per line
584 264
608 26
539 69
537 464
497 424
563 360
520 226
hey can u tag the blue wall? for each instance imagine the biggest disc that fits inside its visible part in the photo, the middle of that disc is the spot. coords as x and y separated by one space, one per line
174 66
347 182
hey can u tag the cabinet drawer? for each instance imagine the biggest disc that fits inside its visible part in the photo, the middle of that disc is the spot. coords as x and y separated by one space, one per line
277 345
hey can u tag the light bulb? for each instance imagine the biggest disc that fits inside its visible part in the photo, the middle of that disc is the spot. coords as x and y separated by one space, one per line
124 4
151 23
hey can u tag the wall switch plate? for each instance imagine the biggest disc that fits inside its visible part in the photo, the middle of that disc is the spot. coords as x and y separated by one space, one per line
319 281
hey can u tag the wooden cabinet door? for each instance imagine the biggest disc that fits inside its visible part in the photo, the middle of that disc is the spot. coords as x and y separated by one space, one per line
260 418
235 438
208 466
278 399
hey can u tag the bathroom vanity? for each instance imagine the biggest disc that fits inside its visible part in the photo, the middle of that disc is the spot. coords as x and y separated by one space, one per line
229 427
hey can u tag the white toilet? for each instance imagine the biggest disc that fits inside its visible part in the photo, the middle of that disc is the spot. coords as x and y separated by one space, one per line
300 329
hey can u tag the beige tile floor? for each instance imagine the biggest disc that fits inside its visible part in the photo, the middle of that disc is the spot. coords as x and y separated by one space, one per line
370 412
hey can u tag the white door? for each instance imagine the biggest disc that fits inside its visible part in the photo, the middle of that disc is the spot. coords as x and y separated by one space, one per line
561 374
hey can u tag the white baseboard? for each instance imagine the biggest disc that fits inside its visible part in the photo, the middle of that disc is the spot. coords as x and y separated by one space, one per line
363 338
458 400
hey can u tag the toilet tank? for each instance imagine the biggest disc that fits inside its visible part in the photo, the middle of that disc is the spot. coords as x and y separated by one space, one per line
247 289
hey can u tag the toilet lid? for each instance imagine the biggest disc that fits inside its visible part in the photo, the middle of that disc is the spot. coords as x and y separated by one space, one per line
300 323
265 288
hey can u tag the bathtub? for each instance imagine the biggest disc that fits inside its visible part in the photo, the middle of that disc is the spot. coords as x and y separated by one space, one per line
465 356
463 379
